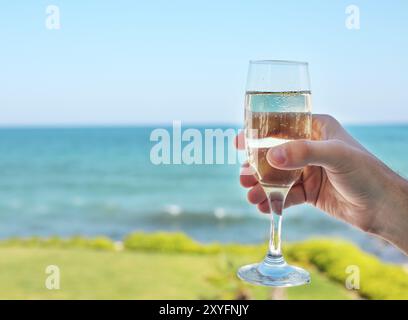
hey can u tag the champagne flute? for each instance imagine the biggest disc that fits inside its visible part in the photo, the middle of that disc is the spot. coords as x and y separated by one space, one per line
277 110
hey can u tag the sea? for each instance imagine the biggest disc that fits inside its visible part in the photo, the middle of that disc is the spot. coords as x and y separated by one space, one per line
102 181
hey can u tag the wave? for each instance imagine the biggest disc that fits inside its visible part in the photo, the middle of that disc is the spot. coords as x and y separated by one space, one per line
173 209
174 214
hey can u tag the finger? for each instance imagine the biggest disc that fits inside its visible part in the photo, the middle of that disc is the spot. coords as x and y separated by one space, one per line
256 194
248 181
240 141
326 127
247 177
264 206
333 155
296 196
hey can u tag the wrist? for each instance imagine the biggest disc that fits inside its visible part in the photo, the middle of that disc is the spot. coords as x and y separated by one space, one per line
393 223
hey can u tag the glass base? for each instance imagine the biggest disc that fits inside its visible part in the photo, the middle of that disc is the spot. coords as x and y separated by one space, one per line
274 272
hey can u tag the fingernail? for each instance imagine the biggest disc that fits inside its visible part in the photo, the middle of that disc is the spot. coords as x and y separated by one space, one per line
277 155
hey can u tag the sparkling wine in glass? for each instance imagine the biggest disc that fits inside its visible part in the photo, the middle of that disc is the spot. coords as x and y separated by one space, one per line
277 110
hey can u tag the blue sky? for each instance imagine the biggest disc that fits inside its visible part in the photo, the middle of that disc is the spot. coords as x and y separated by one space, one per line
125 62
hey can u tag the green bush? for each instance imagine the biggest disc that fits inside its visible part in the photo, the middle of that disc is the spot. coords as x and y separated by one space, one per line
179 242
99 243
378 280
167 242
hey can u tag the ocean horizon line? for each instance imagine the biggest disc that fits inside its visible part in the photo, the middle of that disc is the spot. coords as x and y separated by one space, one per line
169 124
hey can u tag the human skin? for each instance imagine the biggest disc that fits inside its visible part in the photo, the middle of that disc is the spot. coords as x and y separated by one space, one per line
341 178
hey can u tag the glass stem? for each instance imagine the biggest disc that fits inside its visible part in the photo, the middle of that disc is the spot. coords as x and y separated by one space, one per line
276 199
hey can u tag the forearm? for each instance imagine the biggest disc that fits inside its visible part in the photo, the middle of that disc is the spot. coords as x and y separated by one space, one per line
393 222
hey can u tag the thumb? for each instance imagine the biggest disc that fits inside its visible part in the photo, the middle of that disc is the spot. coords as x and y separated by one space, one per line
333 155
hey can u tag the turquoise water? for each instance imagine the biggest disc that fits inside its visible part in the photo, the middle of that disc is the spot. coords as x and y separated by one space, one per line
92 181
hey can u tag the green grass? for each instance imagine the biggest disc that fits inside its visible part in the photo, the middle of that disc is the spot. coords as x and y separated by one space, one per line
92 274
